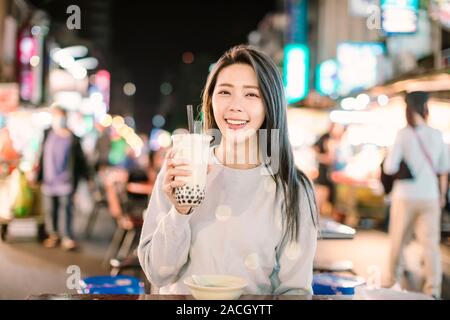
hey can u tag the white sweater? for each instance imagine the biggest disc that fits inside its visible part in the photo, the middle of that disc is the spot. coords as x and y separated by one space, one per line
237 230
424 186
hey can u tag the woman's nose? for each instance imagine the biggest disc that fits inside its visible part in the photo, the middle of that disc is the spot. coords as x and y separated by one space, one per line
235 105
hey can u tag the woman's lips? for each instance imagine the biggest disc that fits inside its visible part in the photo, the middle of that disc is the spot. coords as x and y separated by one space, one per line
235 124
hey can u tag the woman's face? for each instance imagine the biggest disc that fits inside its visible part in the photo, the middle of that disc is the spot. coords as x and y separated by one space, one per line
237 103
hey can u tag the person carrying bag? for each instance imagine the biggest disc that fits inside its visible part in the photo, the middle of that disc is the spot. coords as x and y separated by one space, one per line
387 180
416 203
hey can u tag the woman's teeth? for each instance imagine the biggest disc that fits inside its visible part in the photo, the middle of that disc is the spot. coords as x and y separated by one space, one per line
236 122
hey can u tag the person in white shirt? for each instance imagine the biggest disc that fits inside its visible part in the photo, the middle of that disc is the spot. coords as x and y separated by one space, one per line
257 221
417 202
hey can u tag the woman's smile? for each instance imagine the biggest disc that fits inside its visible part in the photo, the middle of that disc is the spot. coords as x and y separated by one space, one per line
236 124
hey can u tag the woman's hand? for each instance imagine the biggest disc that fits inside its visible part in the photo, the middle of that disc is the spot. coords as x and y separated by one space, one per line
169 184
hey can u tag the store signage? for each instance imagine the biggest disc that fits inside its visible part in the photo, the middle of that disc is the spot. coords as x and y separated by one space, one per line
296 72
399 16
361 8
298 21
361 66
327 77
102 83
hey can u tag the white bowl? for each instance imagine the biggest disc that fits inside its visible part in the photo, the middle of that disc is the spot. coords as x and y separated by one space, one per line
216 287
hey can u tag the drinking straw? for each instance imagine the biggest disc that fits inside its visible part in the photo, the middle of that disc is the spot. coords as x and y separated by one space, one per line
190 115
198 127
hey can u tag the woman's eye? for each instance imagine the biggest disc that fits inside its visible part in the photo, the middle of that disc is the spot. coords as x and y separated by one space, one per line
253 95
223 92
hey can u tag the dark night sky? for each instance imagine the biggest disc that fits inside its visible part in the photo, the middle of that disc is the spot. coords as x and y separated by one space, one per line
143 42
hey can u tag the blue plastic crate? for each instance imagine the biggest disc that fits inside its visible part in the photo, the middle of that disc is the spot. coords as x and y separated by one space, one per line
332 284
120 284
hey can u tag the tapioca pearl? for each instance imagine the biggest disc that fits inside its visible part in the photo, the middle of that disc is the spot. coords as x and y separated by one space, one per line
166 271
223 213
252 261
293 251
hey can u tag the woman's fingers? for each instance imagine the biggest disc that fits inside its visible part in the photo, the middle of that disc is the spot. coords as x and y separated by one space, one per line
177 184
178 172
173 163
169 158
172 173
168 188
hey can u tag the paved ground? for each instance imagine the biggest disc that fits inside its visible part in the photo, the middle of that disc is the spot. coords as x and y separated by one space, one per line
27 268
371 248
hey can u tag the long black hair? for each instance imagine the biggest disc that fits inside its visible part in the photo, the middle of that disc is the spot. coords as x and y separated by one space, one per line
416 102
288 178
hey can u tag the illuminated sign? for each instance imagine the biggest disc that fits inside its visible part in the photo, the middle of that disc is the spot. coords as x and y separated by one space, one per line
298 21
360 65
361 8
399 16
102 81
296 75
327 78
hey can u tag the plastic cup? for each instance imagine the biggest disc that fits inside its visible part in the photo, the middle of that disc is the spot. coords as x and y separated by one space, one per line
194 149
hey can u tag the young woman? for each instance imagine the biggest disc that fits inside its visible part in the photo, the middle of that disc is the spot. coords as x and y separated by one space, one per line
416 203
255 222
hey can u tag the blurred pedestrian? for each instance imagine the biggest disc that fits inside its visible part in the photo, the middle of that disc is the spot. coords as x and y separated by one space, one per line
327 147
62 163
417 202
102 147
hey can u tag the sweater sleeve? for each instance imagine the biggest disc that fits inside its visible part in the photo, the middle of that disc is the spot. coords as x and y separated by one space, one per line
165 239
295 258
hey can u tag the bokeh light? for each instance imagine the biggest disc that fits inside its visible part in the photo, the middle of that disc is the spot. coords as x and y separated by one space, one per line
166 88
158 121
129 89
188 57
106 120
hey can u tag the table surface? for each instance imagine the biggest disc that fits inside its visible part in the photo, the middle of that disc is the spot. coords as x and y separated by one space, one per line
66 296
